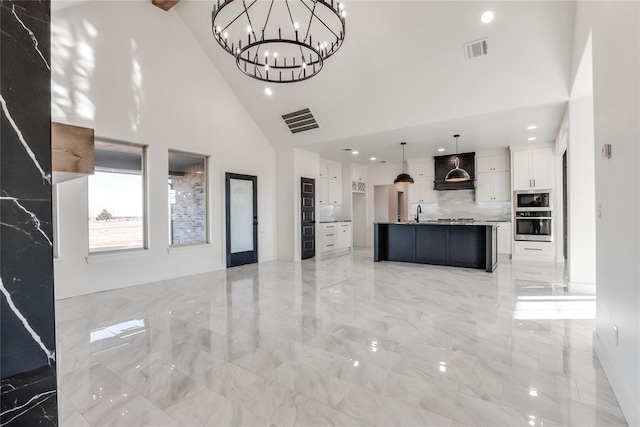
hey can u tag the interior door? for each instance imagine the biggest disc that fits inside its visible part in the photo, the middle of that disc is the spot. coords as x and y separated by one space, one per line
242 219
308 217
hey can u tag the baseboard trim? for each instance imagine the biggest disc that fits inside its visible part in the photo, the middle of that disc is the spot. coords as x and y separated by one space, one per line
629 409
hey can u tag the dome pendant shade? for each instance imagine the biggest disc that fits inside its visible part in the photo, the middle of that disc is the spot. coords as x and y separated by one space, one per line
404 177
457 174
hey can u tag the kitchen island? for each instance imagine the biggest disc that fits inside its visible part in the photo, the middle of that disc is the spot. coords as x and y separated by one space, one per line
469 244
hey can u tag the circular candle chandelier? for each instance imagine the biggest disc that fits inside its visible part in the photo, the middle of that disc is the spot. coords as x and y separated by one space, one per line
279 41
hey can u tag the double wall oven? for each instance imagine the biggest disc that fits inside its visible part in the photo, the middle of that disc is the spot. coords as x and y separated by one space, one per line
533 215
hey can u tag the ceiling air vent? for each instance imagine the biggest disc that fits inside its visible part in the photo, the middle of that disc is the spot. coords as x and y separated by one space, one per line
476 49
300 121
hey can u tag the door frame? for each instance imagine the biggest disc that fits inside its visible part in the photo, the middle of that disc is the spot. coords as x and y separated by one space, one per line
303 223
249 257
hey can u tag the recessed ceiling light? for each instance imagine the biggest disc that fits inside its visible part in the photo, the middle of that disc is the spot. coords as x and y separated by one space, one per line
533 138
354 152
532 127
268 91
487 17
372 158
440 150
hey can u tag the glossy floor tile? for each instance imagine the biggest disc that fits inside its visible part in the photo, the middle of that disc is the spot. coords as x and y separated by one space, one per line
340 341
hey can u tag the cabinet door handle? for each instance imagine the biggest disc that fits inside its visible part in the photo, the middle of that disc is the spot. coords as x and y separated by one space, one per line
532 249
534 183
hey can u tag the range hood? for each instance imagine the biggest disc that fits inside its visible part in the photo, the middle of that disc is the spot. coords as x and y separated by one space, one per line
455 165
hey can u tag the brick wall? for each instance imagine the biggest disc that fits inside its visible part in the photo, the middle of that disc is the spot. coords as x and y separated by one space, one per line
188 207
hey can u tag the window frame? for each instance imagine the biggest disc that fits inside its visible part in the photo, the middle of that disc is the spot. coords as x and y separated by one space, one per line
207 213
145 202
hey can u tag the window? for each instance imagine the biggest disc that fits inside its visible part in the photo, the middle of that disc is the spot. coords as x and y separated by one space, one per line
117 198
187 198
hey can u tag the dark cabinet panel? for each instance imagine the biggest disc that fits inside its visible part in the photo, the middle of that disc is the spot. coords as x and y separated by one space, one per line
401 243
455 245
431 244
467 246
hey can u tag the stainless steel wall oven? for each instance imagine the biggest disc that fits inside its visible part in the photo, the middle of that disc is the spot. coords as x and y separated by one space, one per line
533 215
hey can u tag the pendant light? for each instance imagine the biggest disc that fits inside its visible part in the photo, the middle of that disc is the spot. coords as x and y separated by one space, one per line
457 174
404 177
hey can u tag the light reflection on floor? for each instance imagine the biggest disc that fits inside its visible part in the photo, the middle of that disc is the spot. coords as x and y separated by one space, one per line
339 341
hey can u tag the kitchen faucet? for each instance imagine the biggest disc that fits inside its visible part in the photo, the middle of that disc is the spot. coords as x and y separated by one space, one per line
418 212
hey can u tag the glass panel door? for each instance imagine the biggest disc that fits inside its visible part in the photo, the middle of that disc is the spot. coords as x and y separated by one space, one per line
242 219
241 215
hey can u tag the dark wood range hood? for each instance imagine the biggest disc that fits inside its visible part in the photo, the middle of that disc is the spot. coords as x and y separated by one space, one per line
444 164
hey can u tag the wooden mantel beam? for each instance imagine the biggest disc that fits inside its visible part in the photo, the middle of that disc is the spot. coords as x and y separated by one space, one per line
165 4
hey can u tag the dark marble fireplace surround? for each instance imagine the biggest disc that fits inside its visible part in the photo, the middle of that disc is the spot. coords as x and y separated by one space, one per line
28 395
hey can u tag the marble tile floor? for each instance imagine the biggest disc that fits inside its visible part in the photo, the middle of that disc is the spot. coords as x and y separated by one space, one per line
336 342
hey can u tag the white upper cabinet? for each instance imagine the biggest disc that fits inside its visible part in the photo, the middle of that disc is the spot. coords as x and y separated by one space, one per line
542 168
495 163
521 170
493 187
422 169
322 191
501 186
335 192
493 178
324 169
421 191
533 169
335 170
358 173
329 186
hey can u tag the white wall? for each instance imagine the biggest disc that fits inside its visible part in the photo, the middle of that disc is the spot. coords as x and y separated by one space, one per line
293 164
381 174
616 107
285 209
134 73
581 238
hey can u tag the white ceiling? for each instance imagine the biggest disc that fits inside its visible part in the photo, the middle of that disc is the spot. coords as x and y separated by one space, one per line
401 75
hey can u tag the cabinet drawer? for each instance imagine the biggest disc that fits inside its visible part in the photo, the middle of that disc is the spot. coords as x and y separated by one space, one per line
329 246
328 227
534 248
329 236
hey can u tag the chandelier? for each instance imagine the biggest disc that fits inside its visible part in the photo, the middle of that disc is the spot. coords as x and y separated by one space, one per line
279 41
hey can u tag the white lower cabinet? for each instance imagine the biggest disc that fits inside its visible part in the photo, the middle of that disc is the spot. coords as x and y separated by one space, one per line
329 236
505 238
335 235
344 235
540 251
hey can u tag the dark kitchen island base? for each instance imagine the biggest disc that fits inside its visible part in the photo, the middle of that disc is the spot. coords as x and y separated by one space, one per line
471 245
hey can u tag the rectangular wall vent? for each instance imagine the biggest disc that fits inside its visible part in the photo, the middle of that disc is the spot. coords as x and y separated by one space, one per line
476 49
300 121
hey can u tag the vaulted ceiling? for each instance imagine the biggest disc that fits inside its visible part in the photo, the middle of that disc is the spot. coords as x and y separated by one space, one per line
402 75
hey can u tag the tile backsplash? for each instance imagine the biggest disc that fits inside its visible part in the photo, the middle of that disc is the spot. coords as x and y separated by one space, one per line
462 204
331 213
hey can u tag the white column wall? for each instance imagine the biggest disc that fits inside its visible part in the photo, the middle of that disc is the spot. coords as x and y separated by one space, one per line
581 195
135 73
616 106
